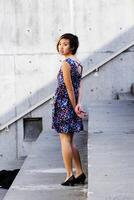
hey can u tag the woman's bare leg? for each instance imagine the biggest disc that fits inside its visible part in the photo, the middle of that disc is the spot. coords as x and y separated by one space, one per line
67 155
76 159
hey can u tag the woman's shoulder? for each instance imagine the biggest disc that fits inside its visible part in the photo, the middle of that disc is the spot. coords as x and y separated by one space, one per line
65 65
68 60
72 60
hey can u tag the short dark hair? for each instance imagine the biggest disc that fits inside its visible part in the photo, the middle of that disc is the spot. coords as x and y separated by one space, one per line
73 39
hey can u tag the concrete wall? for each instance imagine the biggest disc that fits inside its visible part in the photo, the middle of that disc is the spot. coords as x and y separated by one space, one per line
28 57
113 78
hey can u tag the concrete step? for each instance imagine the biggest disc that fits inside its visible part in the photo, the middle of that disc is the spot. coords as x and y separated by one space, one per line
43 171
125 96
110 151
117 115
107 103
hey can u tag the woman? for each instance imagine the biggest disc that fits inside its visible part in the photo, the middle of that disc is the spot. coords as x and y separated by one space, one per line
67 114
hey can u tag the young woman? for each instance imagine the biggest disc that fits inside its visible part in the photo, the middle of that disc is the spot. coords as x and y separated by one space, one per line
67 113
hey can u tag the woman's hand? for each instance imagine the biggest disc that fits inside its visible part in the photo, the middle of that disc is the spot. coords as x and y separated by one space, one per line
79 112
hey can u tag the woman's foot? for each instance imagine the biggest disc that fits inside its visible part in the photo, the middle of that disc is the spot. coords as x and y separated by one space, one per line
69 182
80 179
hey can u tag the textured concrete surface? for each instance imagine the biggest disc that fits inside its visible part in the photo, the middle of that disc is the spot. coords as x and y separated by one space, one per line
29 61
110 151
9 165
2 193
43 171
125 96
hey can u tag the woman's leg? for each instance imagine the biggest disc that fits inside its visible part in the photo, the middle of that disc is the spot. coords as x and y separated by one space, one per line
76 159
67 155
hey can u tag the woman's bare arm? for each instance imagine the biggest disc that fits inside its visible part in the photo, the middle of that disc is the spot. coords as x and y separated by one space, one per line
68 83
80 94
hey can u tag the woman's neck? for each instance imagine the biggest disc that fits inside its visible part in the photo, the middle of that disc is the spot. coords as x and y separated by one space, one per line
70 56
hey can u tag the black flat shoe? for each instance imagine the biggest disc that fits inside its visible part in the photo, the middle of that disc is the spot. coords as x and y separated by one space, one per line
80 179
69 182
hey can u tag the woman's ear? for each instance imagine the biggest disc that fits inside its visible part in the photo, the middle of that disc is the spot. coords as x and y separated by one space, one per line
72 48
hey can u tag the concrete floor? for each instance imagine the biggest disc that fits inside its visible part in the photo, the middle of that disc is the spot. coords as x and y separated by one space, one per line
43 171
111 151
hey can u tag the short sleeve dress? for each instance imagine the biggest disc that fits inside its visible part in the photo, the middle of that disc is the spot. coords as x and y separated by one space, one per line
64 119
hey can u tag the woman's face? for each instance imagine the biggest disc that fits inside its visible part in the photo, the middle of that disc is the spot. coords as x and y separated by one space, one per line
64 47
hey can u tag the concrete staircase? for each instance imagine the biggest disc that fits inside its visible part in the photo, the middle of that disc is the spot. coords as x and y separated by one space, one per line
111 150
43 171
110 160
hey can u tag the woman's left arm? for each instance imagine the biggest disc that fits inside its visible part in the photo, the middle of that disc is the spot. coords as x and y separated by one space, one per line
79 96
78 108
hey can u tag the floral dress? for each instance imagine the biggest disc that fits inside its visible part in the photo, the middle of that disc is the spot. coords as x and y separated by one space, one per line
64 119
